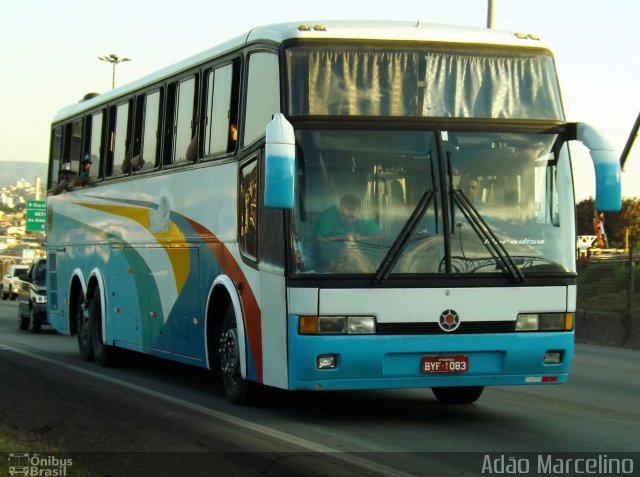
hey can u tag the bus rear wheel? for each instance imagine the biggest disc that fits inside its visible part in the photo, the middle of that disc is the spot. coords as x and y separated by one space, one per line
238 390
81 316
458 395
103 354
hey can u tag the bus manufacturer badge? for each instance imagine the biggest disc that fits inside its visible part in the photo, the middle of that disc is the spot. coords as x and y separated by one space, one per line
449 320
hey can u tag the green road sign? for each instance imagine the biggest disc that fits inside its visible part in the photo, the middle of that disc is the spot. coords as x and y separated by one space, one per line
36 216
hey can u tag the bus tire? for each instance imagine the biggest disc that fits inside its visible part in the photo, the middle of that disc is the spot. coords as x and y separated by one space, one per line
83 328
237 389
103 354
458 395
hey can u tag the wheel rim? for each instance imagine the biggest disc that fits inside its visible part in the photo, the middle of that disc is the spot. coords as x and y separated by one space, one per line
230 355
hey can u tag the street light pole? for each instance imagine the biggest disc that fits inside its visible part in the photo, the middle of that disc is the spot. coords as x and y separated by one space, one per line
114 60
490 14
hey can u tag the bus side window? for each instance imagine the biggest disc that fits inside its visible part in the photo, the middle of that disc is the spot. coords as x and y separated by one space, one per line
263 95
117 138
185 124
133 158
151 131
56 156
96 145
221 110
73 144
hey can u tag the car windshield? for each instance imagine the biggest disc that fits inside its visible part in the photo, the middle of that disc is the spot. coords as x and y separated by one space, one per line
41 271
385 203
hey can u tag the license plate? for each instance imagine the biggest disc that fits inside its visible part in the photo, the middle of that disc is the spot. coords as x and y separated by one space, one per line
445 364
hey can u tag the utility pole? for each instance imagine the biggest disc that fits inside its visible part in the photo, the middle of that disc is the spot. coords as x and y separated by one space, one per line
114 60
627 147
489 13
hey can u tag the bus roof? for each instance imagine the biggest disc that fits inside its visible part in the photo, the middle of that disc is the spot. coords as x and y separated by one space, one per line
338 29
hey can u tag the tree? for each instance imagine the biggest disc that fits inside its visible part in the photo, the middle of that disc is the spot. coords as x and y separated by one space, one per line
615 224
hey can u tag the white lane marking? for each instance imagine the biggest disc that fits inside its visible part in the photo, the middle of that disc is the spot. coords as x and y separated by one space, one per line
378 469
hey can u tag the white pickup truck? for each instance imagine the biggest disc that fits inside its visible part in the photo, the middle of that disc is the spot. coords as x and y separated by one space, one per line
11 283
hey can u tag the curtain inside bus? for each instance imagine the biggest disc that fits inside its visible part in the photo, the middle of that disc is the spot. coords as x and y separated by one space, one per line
490 86
367 81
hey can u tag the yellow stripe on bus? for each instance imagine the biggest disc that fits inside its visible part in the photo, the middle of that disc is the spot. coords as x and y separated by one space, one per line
172 240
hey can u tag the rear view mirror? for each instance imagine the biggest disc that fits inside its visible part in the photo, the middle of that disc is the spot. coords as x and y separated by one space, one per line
280 158
607 168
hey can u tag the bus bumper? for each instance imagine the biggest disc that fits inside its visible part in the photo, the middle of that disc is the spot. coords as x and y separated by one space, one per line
394 361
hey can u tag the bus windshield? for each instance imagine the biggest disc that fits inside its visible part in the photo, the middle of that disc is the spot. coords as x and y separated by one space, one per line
370 200
426 81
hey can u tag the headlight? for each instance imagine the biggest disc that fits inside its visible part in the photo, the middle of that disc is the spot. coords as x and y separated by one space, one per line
41 298
361 325
337 325
544 322
331 325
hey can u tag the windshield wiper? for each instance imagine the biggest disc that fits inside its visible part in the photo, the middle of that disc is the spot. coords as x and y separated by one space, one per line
489 239
392 257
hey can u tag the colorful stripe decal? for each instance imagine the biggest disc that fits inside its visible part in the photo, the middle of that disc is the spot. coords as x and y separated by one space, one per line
172 239
250 308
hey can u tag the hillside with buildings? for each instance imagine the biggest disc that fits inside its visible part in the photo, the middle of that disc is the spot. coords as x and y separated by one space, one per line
13 171
16 244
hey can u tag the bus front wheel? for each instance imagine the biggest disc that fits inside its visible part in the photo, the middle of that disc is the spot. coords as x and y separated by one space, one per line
238 390
458 395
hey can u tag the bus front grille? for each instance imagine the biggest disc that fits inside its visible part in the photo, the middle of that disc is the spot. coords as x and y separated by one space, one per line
469 327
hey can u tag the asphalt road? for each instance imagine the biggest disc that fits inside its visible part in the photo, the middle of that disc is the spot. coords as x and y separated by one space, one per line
365 433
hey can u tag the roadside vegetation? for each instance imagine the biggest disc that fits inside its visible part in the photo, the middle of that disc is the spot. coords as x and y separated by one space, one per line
13 441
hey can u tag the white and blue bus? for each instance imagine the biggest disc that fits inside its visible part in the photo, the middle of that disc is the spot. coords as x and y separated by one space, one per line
336 206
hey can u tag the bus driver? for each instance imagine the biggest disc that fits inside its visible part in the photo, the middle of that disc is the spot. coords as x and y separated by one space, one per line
342 223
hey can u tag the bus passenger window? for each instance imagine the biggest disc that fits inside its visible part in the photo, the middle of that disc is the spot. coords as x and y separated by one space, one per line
118 138
263 95
73 143
151 132
221 130
95 147
56 156
185 131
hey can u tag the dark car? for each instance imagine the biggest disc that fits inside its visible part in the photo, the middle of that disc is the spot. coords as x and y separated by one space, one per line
32 308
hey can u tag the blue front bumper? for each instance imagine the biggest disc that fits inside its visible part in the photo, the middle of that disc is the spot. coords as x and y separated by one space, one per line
394 361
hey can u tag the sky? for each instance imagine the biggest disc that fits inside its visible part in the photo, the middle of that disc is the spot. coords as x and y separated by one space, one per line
50 54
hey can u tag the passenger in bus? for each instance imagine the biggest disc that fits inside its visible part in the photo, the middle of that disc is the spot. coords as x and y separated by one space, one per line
66 179
131 162
192 149
85 169
344 225
471 190
233 137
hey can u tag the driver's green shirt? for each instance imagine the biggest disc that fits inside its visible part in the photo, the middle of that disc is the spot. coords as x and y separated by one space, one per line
329 225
